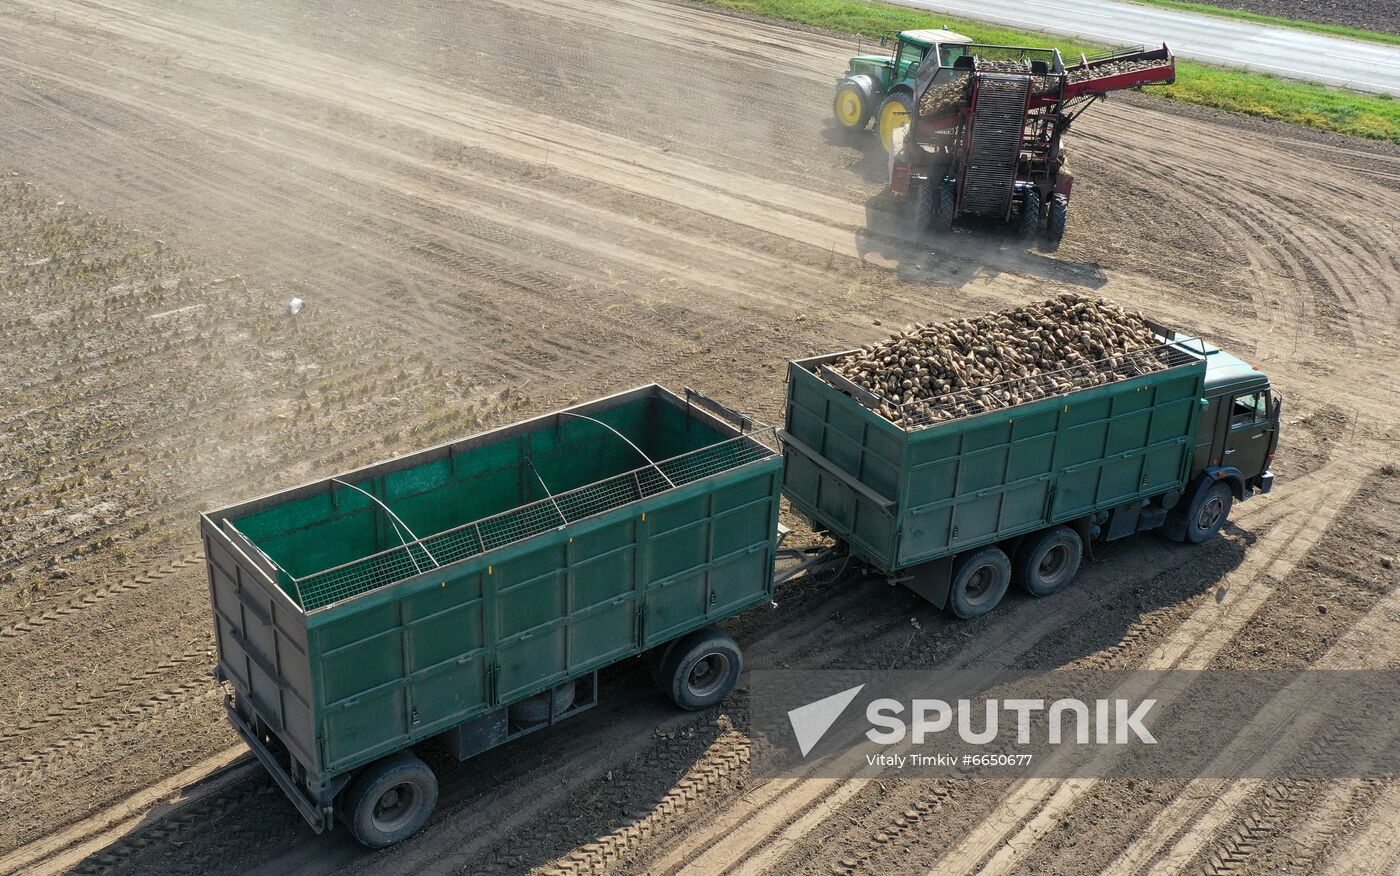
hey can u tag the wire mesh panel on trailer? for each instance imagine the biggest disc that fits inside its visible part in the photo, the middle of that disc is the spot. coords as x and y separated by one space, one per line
323 589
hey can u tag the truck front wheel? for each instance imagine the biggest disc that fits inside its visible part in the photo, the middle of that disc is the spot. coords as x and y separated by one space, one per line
1208 513
1048 560
389 800
979 582
702 669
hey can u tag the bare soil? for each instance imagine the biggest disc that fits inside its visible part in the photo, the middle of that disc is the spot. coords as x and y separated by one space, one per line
1377 15
495 209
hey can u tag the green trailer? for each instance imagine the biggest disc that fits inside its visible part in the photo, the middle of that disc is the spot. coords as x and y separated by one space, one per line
958 507
472 592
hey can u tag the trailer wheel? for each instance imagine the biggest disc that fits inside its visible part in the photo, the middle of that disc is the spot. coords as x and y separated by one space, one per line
1208 513
1048 560
1055 224
389 800
979 582
702 669
925 206
1031 208
947 206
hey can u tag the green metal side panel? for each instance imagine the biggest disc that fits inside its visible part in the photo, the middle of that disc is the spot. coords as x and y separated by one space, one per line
854 441
975 481
402 664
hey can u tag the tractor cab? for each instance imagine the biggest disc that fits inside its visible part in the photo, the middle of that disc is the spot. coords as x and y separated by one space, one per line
882 86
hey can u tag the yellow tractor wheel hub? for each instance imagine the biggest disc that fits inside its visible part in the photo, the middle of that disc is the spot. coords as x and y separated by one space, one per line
892 117
848 108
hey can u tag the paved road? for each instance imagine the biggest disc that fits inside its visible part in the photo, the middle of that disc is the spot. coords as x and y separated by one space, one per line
1296 54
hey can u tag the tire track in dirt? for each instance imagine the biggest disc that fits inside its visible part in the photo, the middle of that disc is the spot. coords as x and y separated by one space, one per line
768 836
1183 831
997 845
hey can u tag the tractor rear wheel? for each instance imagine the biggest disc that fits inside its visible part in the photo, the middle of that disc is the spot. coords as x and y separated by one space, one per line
852 111
1030 213
895 113
1059 217
925 206
947 206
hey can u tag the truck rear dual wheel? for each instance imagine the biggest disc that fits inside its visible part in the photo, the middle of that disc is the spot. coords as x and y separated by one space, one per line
389 800
1048 560
980 579
700 669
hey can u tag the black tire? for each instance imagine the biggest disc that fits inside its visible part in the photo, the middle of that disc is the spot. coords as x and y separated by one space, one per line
1048 560
702 669
656 662
537 708
925 206
980 579
1056 222
1208 513
947 206
1031 210
389 800
847 122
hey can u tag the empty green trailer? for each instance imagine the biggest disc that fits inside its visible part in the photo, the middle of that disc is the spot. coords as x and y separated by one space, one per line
958 507
472 591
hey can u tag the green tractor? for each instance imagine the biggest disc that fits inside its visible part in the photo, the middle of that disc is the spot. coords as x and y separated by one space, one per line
880 87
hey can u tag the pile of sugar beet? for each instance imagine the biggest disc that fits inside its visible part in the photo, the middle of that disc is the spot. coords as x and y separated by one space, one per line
954 369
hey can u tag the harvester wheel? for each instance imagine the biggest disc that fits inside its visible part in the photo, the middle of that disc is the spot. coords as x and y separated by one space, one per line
852 112
947 206
895 113
925 206
1030 213
980 580
389 800
1059 217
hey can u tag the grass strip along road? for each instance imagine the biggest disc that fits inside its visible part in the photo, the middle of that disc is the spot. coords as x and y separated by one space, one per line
1374 116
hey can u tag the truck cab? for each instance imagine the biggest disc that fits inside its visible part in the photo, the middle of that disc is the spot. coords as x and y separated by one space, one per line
882 86
1236 439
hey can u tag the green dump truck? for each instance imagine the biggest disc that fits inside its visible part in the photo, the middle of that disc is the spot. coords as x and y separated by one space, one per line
473 591
958 508
470 593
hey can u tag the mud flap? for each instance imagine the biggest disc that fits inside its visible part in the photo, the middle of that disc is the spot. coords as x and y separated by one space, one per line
932 580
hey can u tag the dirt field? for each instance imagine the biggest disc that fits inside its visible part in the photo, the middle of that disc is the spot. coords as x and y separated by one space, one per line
1378 15
492 210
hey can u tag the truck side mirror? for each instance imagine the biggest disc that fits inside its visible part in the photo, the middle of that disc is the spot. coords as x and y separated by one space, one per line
884 41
